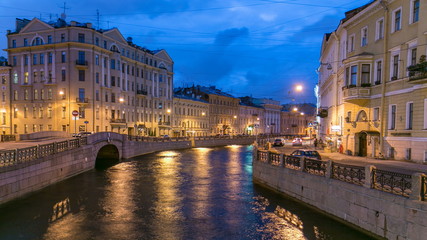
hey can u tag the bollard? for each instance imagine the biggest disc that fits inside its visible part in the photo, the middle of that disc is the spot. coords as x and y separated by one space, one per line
369 176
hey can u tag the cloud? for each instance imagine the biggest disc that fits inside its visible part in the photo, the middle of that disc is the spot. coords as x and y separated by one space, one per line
228 36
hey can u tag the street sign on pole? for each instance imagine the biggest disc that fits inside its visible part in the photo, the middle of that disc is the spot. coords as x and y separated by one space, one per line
75 113
86 122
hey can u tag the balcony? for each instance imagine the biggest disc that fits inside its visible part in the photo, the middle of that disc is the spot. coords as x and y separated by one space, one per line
81 64
418 73
141 92
353 93
82 101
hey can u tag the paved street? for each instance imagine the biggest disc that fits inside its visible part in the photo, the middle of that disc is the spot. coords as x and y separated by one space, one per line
29 143
390 165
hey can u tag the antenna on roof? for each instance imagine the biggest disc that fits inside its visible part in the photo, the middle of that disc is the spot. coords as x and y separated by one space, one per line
97 18
63 16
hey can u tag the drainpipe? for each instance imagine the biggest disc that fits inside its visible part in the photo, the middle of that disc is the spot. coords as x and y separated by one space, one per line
385 73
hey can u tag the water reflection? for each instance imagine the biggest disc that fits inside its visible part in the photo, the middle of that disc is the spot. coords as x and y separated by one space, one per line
201 193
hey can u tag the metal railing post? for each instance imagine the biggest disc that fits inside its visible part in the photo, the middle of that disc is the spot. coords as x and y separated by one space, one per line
369 176
417 185
329 169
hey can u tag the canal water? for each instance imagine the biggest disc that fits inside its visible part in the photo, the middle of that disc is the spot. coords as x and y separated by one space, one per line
201 193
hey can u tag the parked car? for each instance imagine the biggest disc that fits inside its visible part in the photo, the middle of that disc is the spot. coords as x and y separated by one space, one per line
297 142
280 142
306 153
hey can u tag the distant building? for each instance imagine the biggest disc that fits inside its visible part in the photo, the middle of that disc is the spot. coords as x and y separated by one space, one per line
191 116
110 82
5 113
299 120
223 108
372 91
272 111
251 117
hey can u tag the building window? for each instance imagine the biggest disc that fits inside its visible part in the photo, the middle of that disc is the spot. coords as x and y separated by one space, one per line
97 77
113 81
408 154
62 37
415 10
25 42
49 39
413 59
82 94
376 114
81 75
392 117
97 41
26 78
25 112
64 112
82 58
49 112
353 76
97 95
395 68
49 94
113 97
97 60
50 58
63 57
41 110
113 64
105 44
15 62
82 112
41 58
63 74
364 36
26 94
409 115
397 20
42 94
36 94
25 60
34 59
13 43
81 37
15 95
366 74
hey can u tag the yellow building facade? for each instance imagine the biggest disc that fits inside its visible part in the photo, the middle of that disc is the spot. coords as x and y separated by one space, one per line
58 68
191 117
372 87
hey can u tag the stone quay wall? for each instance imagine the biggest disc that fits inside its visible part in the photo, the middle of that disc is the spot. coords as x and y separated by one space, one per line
349 194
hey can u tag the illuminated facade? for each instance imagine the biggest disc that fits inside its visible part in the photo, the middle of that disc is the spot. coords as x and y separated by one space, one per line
372 77
191 117
113 84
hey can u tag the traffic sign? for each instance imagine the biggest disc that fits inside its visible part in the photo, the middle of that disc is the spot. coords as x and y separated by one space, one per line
75 113
86 122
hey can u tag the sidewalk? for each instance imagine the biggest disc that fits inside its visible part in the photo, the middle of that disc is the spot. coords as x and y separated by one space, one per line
29 143
390 165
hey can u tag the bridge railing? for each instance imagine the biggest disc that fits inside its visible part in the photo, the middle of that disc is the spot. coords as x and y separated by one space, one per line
410 186
177 139
21 155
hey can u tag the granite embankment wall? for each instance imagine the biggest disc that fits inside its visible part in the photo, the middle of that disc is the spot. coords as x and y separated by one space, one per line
23 171
380 213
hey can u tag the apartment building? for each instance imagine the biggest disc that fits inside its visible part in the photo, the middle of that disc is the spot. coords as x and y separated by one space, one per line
298 120
223 108
372 92
272 111
191 116
5 113
109 82
251 117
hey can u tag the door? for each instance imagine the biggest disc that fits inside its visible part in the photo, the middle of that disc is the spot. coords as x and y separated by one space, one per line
363 144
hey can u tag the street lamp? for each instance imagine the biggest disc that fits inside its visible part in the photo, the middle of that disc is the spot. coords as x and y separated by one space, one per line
295 109
121 100
298 88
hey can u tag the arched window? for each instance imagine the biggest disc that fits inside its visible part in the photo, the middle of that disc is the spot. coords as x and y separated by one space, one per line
37 41
114 49
361 117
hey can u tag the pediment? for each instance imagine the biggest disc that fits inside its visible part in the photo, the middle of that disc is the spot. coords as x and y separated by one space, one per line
163 55
116 35
35 26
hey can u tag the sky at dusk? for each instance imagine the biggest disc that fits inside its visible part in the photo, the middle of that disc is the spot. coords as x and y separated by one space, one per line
258 48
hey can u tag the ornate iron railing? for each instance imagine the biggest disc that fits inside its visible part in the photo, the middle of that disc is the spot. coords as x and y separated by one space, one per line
392 182
74 143
292 162
275 159
62 146
7 158
262 156
27 154
316 167
348 173
46 149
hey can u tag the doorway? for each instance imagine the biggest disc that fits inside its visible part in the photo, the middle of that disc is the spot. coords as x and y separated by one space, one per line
363 144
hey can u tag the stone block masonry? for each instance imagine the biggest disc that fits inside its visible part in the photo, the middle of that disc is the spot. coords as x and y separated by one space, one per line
380 213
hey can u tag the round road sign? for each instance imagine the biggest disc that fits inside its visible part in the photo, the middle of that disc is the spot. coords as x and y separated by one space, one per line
75 113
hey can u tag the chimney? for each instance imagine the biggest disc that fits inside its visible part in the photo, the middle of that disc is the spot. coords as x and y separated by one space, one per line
129 40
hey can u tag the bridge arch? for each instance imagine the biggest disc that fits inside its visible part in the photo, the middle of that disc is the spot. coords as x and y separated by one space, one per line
107 156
